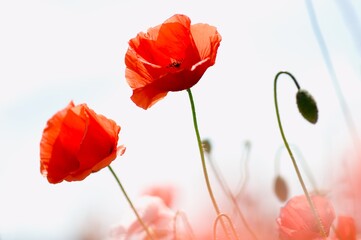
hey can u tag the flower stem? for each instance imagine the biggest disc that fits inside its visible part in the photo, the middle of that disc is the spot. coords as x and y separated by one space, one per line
187 226
244 174
146 229
204 167
304 166
300 179
226 189
219 217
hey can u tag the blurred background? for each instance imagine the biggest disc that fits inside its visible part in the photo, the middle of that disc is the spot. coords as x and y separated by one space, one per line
55 51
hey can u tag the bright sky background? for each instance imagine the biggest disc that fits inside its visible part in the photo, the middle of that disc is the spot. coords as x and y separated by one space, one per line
54 51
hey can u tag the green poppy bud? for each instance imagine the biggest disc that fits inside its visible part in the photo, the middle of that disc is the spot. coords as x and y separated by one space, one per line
307 106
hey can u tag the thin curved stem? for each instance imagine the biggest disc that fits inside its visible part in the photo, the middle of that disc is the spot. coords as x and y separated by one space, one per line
204 167
244 175
229 193
304 166
300 179
307 170
146 229
186 224
219 218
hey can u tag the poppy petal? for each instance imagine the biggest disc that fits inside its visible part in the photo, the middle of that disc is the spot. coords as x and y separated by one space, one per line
147 96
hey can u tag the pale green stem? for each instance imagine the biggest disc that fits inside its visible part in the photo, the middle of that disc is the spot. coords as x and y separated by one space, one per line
219 218
244 175
186 225
146 229
204 167
229 193
304 166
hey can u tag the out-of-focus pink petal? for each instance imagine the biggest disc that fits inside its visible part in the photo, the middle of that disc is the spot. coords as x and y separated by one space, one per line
297 221
165 192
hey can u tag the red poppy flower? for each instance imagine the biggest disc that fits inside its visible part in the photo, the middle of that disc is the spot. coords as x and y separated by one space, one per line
172 56
77 142
297 221
346 228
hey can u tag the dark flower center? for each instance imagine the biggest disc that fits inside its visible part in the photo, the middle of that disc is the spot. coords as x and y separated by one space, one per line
175 64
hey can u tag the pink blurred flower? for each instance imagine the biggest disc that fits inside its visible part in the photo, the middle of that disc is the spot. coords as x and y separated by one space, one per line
346 192
346 228
166 192
297 222
155 214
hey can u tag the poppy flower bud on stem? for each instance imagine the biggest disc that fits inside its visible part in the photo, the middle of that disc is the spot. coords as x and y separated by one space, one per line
300 179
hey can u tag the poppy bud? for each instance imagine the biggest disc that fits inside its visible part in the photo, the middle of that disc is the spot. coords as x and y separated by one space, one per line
206 144
281 188
307 106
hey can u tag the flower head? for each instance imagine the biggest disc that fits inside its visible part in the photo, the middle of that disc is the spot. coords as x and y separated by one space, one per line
77 142
297 221
346 228
172 56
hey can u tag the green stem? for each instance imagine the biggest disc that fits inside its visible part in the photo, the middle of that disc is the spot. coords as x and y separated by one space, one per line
204 167
146 229
300 179
304 166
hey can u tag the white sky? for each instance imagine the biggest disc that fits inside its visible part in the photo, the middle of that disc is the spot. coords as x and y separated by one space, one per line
54 51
